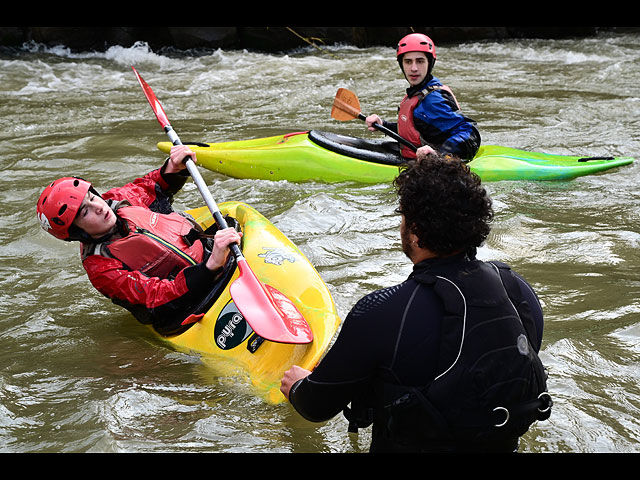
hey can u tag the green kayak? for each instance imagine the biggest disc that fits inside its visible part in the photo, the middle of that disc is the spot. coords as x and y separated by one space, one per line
329 157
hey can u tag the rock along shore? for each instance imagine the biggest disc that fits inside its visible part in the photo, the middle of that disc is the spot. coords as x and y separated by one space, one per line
268 39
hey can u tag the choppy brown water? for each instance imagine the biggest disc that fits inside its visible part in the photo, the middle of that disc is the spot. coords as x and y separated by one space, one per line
80 375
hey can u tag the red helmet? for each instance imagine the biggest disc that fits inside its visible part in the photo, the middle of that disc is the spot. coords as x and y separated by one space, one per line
59 203
416 42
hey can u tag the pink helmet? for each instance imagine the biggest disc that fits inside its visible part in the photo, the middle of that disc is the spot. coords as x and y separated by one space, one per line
416 42
59 203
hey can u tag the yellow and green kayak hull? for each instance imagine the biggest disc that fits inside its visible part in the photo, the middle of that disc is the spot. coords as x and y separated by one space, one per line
325 157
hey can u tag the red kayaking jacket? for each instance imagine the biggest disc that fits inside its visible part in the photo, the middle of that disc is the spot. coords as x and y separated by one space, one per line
165 300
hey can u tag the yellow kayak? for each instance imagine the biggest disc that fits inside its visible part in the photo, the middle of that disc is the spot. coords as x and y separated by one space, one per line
225 341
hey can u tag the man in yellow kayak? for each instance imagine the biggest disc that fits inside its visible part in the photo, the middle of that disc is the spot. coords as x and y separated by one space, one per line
446 360
136 250
429 115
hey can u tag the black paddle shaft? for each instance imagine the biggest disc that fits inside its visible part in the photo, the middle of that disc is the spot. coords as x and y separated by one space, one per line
392 134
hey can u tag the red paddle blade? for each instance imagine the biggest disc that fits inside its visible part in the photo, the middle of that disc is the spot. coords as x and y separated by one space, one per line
269 313
153 101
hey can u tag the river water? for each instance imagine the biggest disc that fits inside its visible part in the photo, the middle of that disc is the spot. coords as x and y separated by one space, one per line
78 374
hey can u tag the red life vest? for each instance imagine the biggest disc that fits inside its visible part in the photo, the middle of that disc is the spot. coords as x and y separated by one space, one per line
157 244
406 125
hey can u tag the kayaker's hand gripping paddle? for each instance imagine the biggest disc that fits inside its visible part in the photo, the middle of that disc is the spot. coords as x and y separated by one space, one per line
346 106
270 314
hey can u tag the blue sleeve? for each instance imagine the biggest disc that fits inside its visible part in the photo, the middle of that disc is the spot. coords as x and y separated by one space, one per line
441 124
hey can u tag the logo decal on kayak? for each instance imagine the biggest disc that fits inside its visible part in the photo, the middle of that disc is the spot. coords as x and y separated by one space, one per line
231 328
277 256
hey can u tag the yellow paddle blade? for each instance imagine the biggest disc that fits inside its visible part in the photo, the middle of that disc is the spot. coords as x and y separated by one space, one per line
345 106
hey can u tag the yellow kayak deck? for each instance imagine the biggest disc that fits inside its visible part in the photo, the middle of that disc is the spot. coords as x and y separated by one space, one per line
224 340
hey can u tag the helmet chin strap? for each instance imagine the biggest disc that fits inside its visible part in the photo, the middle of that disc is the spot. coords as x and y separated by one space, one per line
416 88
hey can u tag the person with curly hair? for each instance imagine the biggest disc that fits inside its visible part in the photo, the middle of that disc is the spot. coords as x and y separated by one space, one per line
448 209
447 360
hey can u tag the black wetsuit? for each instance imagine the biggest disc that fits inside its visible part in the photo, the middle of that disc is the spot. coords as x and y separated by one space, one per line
382 340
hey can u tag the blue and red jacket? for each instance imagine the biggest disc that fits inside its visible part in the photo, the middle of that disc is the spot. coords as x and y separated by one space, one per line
429 115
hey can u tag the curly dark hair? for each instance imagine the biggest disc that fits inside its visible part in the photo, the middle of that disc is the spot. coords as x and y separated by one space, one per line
444 204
